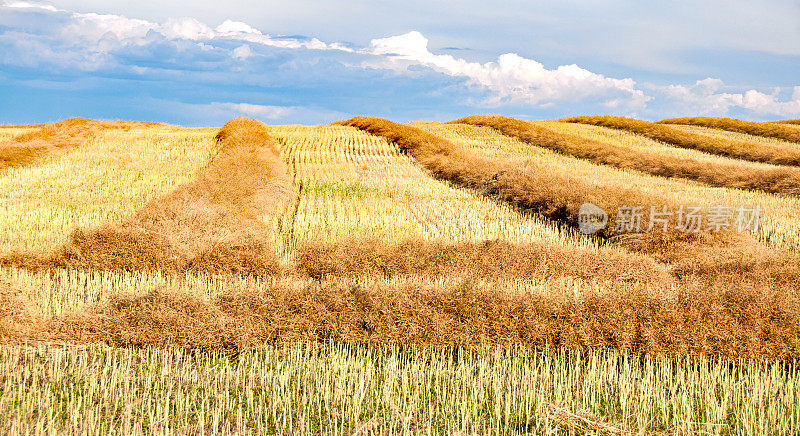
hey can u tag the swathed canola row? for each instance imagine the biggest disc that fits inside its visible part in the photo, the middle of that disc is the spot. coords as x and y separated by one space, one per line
780 220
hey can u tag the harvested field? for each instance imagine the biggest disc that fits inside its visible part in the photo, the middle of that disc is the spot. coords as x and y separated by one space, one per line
559 197
303 387
692 254
769 130
762 141
521 183
104 180
776 154
778 228
209 224
27 147
351 184
730 175
384 260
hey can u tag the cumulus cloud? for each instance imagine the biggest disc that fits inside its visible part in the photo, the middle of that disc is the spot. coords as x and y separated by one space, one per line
704 97
512 77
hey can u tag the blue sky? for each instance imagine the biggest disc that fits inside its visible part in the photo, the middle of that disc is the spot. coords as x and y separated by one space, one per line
203 62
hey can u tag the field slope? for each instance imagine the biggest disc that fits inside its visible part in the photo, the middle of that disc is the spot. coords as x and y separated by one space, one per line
377 277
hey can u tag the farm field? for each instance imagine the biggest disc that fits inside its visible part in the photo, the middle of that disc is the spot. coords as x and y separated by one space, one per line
366 277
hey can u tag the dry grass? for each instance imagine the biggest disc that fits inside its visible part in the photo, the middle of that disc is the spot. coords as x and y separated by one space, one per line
210 224
490 259
18 316
776 154
24 149
770 130
732 323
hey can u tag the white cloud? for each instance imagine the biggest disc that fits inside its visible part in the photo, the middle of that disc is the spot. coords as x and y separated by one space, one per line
704 97
90 42
234 27
186 28
93 27
513 77
29 5
242 52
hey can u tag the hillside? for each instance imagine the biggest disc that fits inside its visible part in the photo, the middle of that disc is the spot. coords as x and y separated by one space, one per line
380 277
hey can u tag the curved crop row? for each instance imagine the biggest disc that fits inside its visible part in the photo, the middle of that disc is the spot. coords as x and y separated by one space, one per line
209 224
770 154
769 130
556 195
552 194
25 148
772 180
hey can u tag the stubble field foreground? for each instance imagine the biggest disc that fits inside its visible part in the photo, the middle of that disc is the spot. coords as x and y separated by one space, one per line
372 277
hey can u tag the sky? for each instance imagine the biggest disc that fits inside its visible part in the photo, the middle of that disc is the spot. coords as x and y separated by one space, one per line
203 62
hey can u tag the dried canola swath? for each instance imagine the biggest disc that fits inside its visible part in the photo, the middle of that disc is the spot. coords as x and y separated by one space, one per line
780 220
